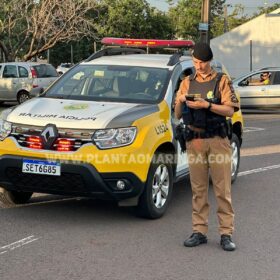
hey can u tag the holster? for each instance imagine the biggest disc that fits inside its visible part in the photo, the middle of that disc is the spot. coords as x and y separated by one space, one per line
180 136
229 128
183 134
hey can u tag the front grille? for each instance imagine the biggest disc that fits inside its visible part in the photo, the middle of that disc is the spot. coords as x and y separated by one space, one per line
77 137
66 183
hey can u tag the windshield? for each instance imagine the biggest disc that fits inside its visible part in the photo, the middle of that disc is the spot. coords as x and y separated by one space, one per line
45 71
111 83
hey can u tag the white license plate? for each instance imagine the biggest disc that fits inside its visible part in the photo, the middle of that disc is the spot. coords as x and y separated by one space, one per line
41 167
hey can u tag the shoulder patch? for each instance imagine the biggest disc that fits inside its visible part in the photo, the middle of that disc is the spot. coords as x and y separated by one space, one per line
231 86
233 97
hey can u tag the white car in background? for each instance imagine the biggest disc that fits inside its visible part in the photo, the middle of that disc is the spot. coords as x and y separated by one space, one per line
63 67
21 80
255 94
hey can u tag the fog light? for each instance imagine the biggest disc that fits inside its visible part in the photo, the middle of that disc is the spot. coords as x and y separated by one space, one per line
120 185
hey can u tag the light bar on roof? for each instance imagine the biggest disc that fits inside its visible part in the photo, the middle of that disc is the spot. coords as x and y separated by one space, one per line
146 42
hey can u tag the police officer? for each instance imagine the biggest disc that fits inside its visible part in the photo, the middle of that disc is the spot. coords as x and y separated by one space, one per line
208 146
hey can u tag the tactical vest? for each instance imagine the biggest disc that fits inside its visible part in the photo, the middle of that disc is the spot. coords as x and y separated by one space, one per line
212 123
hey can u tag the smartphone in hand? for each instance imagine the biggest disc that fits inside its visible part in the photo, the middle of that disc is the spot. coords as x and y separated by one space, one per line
192 97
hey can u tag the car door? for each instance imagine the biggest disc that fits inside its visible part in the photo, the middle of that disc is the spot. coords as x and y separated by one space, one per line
25 82
273 91
9 82
252 95
179 74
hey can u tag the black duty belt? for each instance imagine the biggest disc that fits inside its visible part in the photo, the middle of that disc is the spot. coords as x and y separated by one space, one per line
195 133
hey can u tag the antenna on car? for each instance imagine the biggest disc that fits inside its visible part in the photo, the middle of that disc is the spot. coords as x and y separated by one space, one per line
174 58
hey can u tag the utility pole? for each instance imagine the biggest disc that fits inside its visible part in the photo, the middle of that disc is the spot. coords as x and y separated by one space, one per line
225 19
205 20
72 60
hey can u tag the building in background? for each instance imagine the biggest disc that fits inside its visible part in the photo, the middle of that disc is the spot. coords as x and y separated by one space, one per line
250 46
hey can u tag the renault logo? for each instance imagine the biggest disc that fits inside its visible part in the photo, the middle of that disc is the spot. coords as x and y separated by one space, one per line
49 135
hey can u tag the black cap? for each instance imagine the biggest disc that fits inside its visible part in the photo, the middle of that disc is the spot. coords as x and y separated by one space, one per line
202 51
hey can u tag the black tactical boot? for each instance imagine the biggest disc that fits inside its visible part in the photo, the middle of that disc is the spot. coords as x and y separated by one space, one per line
227 243
195 239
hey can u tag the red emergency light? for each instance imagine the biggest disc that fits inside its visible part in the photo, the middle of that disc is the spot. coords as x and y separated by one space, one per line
147 43
34 142
65 145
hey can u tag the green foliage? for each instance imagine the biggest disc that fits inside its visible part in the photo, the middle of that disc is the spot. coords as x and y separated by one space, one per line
133 18
236 18
21 34
266 10
61 53
186 16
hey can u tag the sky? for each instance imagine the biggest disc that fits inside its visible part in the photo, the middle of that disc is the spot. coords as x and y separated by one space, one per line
250 5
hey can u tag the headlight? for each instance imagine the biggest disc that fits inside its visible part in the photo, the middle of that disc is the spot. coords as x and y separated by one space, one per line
5 129
114 137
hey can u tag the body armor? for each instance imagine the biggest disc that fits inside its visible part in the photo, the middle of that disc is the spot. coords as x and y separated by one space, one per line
210 124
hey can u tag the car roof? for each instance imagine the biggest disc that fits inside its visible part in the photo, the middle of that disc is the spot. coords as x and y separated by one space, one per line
24 63
145 60
273 68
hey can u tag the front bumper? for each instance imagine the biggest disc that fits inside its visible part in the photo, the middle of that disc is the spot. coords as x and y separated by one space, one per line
75 180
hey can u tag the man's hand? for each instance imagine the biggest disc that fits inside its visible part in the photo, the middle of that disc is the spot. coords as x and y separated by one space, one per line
182 99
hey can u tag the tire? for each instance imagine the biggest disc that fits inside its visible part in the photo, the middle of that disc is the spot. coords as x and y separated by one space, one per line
158 189
12 198
23 96
235 145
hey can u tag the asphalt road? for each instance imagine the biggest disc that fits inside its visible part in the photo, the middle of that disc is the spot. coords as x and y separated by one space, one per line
85 239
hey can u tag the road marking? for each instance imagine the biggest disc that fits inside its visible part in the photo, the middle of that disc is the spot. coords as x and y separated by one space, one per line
264 150
18 244
258 170
252 129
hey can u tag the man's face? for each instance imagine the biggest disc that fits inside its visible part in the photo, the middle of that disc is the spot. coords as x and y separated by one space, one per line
265 76
201 67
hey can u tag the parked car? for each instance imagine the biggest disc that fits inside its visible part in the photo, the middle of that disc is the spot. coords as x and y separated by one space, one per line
105 129
21 80
258 92
63 67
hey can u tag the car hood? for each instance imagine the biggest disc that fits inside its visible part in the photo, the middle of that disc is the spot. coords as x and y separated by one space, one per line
78 114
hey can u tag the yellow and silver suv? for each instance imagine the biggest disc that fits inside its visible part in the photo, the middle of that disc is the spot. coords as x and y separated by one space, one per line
104 129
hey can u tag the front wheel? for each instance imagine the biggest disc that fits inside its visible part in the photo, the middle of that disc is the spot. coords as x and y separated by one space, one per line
158 189
235 159
12 198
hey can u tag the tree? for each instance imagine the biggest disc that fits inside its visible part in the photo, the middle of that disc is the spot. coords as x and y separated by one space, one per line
266 10
133 18
30 27
236 18
186 16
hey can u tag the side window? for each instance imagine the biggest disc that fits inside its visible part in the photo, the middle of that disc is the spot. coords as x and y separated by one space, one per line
185 73
23 72
255 78
45 71
179 77
276 80
10 71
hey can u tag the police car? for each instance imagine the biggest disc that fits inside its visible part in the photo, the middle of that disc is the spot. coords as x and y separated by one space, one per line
104 129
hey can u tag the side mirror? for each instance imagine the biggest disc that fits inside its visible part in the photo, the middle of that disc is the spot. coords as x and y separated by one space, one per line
244 83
